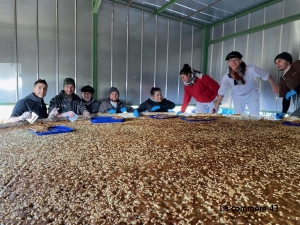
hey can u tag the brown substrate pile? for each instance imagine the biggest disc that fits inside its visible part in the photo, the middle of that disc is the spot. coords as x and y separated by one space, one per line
148 171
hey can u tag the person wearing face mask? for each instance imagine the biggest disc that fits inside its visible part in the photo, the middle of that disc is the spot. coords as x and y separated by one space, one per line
201 87
34 102
156 103
67 104
113 104
289 81
241 78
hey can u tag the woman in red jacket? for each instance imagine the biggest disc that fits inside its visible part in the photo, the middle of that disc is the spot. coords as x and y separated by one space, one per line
201 87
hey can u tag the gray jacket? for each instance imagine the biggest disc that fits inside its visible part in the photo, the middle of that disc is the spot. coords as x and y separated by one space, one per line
106 106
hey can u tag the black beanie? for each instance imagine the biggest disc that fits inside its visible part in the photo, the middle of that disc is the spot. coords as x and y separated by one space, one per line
112 89
69 81
88 89
286 56
234 54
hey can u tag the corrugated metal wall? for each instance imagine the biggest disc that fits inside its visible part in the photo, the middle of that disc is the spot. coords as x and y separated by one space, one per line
138 50
47 39
258 48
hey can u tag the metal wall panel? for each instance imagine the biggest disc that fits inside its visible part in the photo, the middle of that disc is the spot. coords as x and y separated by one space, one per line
257 18
242 23
186 49
240 45
8 66
47 45
291 7
27 45
104 49
270 50
229 27
134 56
273 12
218 31
83 44
255 48
119 49
174 65
161 54
197 48
149 57
66 41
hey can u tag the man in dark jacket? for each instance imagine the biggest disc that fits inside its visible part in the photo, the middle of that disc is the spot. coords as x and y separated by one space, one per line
67 104
289 81
113 104
33 102
87 97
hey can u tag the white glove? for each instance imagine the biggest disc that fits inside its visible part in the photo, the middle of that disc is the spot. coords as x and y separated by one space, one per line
25 115
53 113
86 114
69 114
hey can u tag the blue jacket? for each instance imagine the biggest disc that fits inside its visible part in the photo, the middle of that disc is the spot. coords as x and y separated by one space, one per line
30 103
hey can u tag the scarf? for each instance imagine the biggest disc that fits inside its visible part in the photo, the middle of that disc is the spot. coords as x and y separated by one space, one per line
193 78
238 77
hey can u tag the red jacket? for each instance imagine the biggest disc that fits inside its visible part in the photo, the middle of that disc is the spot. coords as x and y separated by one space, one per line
204 90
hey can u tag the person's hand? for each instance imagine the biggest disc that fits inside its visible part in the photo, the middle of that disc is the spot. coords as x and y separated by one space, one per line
170 110
136 113
53 113
178 113
112 111
86 114
124 109
69 114
279 116
154 108
289 94
25 115
275 89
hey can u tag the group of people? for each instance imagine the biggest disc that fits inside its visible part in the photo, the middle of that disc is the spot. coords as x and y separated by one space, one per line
205 90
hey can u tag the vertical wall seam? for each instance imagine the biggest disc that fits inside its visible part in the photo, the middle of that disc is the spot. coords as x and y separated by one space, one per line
111 44
167 63
37 41
178 79
141 72
57 49
127 49
75 30
155 50
16 51
192 50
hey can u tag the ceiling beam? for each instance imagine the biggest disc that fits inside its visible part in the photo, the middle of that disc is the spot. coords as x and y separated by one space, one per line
165 6
266 4
199 10
96 6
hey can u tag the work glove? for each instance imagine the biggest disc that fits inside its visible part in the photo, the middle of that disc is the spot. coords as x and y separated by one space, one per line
279 116
124 109
170 110
154 108
289 94
69 114
53 113
86 114
136 113
178 113
25 115
112 111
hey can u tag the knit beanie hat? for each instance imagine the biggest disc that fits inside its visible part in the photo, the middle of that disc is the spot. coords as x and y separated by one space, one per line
286 56
69 81
113 89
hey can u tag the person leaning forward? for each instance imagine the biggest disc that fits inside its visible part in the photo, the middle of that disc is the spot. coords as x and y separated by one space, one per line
241 78
289 82
67 103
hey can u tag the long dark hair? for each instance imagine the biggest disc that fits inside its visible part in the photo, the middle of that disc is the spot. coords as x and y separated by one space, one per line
186 69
